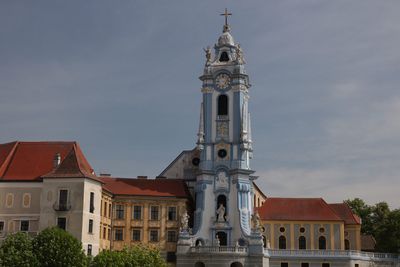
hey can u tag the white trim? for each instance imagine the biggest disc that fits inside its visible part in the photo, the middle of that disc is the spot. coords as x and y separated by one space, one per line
21 185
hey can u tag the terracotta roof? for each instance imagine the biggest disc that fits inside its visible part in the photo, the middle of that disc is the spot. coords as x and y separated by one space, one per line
297 209
146 187
29 161
344 212
368 243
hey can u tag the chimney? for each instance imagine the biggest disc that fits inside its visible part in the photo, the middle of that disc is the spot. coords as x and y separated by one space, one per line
105 174
56 160
142 177
161 177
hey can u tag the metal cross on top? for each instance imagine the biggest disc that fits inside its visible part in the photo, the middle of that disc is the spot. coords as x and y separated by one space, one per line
226 14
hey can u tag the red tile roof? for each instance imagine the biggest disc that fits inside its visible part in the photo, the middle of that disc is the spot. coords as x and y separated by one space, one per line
368 243
146 187
29 161
297 209
344 212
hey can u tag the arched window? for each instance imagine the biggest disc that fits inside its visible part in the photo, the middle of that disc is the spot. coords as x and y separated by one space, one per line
199 264
322 242
302 242
236 264
223 105
346 244
282 242
224 57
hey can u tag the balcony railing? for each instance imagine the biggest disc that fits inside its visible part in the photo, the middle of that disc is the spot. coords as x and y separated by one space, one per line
347 254
221 249
61 206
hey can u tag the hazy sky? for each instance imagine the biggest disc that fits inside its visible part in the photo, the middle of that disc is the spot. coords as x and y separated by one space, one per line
121 78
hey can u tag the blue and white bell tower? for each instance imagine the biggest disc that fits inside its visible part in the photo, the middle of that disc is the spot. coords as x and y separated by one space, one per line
223 187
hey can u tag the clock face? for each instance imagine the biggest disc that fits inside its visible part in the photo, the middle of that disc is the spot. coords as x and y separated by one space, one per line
222 81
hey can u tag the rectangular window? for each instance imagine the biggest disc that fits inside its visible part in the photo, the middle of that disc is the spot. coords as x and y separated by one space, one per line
153 235
104 232
304 264
119 212
136 235
91 206
356 265
119 234
171 236
90 226
62 223
171 213
109 210
25 226
89 249
154 213
105 209
325 264
63 200
284 264
1 226
137 212
109 233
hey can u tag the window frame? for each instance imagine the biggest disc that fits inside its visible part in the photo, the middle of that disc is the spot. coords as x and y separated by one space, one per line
118 212
62 217
151 213
134 212
20 225
175 213
150 235
120 231
174 236
90 226
91 202
136 230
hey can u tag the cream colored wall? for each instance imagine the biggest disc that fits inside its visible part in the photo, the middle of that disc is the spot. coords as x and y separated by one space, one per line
94 237
78 216
334 233
12 215
258 197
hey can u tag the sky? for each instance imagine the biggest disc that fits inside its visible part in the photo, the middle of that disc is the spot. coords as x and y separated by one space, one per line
121 78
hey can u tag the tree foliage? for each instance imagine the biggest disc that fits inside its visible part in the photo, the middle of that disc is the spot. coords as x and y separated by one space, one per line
380 222
134 256
56 247
16 250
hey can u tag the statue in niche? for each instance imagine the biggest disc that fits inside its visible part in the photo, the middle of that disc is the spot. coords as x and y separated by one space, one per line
184 222
239 54
255 220
221 213
208 55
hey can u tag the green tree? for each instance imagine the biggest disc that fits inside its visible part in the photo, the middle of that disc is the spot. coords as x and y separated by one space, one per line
134 256
387 233
55 247
364 211
16 250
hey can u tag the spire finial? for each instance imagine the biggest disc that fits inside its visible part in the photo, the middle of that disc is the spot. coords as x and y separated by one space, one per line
226 14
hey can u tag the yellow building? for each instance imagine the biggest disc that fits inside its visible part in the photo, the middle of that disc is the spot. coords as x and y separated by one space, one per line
309 224
143 211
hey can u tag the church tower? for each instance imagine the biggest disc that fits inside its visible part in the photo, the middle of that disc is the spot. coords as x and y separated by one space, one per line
223 189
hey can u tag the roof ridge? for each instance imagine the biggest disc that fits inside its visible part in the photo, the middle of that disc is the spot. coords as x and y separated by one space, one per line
6 164
332 210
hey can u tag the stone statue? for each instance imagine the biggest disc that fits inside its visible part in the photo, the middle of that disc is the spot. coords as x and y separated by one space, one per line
255 220
208 54
239 54
221 213
185 221
217 240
